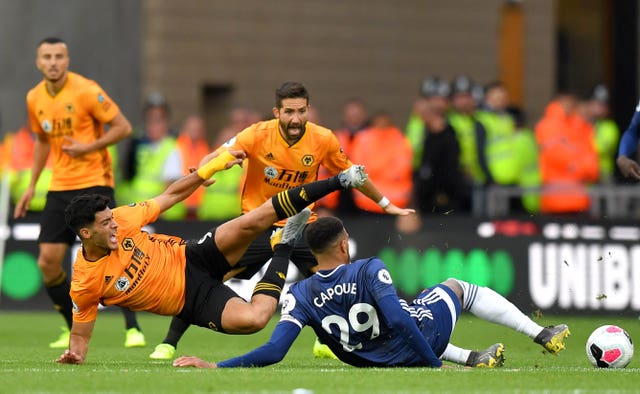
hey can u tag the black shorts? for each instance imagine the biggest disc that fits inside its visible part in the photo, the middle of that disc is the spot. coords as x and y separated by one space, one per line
205 294
259 252
53 228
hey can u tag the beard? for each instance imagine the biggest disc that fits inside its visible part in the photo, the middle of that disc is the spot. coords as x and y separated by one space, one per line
285 127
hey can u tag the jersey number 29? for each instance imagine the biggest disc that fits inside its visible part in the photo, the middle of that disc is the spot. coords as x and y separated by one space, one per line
371 322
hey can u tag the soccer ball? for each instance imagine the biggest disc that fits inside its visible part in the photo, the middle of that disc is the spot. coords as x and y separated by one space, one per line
609 346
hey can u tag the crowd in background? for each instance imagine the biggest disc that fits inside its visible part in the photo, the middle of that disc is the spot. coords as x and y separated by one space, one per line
460 139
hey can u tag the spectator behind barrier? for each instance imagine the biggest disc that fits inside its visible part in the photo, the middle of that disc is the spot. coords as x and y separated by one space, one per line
503 161
154 160
606 130
568 158
355 119
439 185
193 146
386 154
434 92
470 133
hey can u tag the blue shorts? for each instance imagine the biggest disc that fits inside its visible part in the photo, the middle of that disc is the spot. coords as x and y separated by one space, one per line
442 305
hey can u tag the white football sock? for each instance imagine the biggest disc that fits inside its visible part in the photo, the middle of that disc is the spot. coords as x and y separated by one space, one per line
489 305
455 354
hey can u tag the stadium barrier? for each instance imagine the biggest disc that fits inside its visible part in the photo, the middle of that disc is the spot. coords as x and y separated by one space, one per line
540 263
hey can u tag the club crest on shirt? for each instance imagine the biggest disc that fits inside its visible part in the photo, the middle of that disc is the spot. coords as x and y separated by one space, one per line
46 125
74 307
128 244
307 160
122 283
270 172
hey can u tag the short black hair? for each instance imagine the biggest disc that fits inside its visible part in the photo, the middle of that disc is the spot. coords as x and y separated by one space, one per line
323 233
291 90
82 209
51 40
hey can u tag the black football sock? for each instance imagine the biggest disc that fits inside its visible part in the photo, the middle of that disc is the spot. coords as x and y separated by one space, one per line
58 291
273 280
289 202
176 331
130 319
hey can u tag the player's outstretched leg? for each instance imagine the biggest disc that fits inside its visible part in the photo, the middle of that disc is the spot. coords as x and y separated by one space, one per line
489 305
491 357
552 338
282 241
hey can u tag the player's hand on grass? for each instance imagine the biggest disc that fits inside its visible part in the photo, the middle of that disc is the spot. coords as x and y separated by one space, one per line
628 167
69 357
191 361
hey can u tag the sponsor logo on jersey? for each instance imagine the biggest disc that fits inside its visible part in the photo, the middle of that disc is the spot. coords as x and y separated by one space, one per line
107 279
307 160
269 156
270 172
69 107
100 98
230 142
122 283
213 326
128 244
46 126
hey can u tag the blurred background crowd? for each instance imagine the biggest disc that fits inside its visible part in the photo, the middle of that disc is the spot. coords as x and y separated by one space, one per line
461 139
485 108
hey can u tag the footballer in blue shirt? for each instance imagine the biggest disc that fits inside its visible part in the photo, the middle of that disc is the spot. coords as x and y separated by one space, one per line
356 311
629 147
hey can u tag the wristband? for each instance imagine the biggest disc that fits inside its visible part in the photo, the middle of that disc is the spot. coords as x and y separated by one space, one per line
214 165
384 202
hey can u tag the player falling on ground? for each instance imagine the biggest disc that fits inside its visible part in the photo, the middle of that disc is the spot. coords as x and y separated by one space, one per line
282 153
120 264
355 310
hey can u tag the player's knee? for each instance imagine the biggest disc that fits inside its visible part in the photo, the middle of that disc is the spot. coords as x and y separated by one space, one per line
251 324
455 286
49 265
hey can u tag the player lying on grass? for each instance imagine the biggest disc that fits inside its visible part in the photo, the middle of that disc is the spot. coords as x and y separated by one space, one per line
120 264
355 310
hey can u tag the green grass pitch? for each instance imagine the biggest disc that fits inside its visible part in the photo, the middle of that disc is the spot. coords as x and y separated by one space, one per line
27 363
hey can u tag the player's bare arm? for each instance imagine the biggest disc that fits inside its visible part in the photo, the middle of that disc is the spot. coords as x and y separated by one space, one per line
119 129
183 187
628 167
78 343
370 190
40 155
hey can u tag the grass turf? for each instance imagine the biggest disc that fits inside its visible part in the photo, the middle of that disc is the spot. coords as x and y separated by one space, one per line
27 363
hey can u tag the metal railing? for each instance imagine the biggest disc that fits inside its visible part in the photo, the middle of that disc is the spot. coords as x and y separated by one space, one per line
607 201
